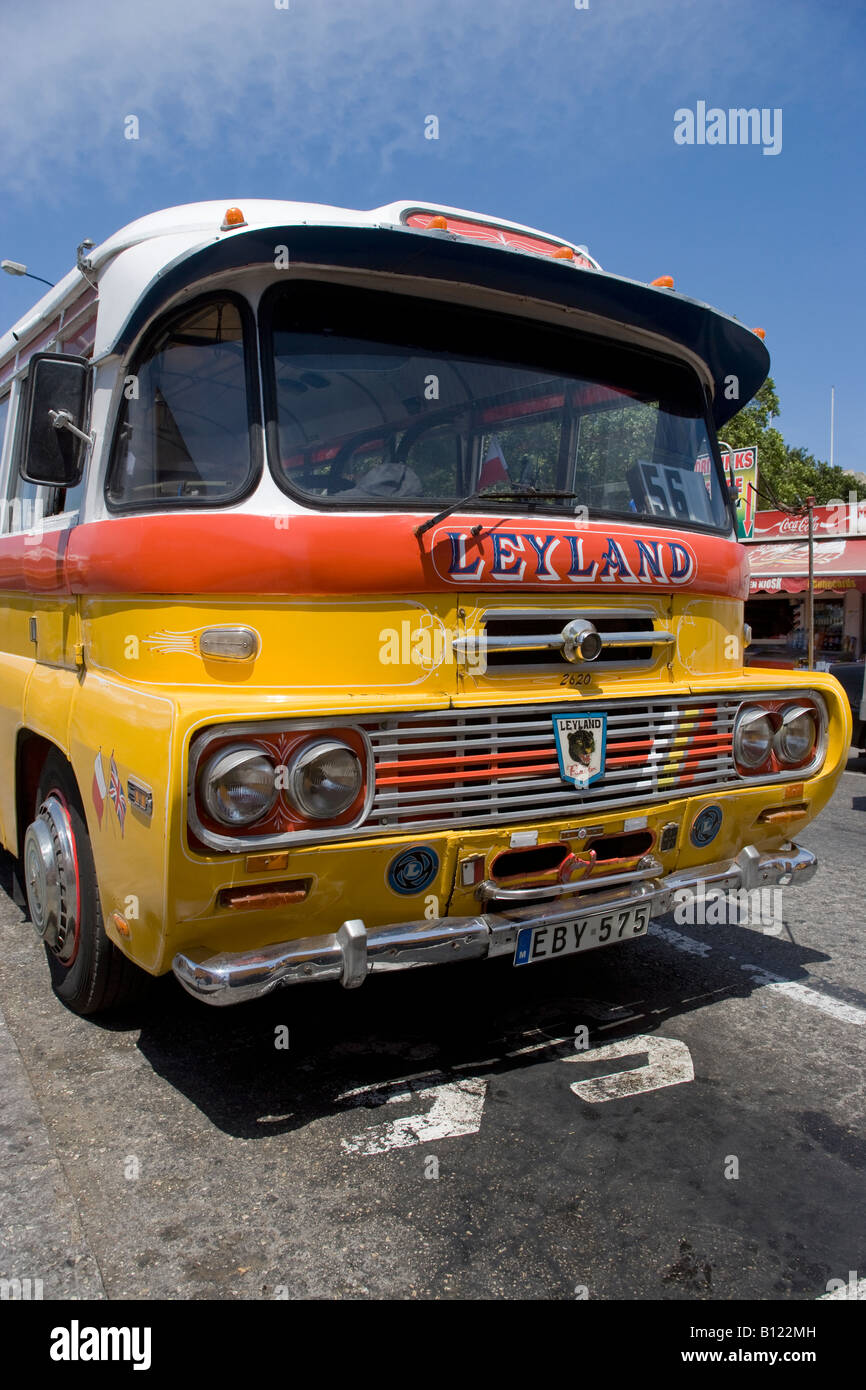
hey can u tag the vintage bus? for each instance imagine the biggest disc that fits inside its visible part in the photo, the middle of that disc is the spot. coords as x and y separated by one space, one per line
371 599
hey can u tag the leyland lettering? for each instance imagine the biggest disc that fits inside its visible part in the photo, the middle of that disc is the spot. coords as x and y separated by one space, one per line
395 616
512 556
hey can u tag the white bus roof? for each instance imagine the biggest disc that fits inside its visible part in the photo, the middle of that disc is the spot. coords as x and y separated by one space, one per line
190 224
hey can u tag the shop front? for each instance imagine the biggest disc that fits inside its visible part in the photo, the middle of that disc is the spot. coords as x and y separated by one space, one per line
776 609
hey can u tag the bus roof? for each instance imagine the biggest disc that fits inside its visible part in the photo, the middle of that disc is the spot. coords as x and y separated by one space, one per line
145 264
194 222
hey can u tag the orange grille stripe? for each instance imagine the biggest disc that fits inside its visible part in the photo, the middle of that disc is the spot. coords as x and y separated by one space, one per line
481 773
458 759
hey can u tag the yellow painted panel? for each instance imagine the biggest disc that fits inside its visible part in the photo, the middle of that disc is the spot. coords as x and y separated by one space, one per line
320 647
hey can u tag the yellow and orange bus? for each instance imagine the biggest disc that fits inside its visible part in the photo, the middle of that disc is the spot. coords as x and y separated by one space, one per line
368 602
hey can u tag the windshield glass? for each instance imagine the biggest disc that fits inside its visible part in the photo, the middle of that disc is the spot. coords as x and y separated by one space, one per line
386 401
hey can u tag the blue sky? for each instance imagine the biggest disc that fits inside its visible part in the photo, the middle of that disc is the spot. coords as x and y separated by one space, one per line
557 117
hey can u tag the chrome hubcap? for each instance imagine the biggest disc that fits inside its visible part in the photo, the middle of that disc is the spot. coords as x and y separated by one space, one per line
52 885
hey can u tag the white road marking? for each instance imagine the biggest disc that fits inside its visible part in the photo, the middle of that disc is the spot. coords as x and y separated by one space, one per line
803 994
669 1063
379 1095
539 1046
846 1013
682 943
455 1111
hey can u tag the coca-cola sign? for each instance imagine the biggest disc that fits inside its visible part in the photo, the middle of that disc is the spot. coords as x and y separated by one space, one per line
835 519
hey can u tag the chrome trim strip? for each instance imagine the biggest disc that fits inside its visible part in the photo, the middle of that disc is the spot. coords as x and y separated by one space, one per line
490 890
656 638
636 717
550 641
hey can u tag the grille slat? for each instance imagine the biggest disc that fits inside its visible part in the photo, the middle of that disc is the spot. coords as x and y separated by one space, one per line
401 798
492 735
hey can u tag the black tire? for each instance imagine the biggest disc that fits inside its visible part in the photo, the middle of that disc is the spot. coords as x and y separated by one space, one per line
99 977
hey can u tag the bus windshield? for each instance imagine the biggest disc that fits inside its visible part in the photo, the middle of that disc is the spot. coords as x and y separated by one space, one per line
384 401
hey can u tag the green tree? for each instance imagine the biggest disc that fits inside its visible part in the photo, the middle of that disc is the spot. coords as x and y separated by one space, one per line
784 472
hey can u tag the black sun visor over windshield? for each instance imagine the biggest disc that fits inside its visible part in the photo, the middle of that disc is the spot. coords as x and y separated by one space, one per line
728 349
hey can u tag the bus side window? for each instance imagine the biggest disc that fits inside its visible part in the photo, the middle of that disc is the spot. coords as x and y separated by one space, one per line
4 416
4 423
26 503
183 433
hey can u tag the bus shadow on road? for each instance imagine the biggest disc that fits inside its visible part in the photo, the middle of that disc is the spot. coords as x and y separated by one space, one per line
299 1055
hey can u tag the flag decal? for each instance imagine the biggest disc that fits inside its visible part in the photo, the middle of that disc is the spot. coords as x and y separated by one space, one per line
115 792
98 788
494 468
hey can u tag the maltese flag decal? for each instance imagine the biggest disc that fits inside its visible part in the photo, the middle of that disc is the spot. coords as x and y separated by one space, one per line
494 468
99 788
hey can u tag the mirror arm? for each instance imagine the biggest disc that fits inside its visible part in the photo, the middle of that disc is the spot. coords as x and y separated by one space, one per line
62 420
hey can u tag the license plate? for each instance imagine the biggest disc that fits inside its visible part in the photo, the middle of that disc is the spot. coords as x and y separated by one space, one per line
582 934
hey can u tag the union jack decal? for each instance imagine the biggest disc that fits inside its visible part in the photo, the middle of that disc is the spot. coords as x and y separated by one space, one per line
115 792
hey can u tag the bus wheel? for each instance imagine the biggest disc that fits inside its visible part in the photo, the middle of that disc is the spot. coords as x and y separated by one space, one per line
88 972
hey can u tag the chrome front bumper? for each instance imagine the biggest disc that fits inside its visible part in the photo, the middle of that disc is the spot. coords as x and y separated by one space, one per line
353 952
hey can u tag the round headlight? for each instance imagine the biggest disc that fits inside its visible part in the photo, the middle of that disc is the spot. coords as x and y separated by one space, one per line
753 737
795 738
324 780
238 785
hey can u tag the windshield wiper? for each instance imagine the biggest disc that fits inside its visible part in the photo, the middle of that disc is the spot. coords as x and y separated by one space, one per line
513 495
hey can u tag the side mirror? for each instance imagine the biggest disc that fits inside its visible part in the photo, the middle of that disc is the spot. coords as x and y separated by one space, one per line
52 443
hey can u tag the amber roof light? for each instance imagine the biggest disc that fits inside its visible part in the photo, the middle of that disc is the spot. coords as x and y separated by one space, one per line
233 218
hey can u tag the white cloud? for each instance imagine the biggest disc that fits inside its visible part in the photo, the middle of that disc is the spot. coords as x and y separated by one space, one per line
331 79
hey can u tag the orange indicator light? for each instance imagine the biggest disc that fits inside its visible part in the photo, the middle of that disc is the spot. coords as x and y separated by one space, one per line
233 218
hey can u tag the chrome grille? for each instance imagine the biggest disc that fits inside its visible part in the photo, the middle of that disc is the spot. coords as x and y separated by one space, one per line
500 764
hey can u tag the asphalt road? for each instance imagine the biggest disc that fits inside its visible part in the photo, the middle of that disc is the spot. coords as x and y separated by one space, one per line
443 1133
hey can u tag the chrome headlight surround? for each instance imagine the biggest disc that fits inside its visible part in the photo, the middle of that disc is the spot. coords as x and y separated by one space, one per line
231 762
263 733
807 700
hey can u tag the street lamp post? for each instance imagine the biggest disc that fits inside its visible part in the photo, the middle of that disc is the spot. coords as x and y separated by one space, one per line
16 268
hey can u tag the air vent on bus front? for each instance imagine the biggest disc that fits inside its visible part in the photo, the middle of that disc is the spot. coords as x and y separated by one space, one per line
517 639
